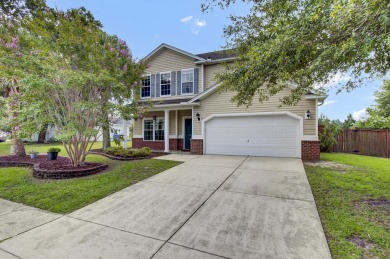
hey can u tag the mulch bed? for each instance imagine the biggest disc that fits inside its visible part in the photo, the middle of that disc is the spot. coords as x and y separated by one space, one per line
101 152
57 169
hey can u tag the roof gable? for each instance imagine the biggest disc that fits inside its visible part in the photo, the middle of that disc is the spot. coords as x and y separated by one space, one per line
166 46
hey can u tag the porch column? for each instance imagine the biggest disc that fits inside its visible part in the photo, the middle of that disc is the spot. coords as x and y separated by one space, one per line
125 133
166 130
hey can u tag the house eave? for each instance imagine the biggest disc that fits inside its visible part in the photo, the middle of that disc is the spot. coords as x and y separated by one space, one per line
164 45
215 61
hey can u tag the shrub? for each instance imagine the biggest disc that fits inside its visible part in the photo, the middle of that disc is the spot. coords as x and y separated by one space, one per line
328 137
122 152
54 149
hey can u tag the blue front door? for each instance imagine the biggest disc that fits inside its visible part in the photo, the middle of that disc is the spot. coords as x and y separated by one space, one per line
187 133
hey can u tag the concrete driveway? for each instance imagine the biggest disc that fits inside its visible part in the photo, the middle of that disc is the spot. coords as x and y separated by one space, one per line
207 207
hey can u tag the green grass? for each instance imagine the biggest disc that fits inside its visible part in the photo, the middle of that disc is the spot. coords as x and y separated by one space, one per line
341 196
5 147
64 196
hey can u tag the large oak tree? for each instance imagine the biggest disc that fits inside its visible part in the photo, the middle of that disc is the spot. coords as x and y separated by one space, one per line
304 43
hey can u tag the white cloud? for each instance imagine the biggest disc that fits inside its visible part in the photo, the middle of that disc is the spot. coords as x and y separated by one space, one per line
187 19
200 23
328 102
360 115
335 80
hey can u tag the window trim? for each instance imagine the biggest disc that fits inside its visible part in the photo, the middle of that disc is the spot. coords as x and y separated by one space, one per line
154 128
170 84
193 80
150 95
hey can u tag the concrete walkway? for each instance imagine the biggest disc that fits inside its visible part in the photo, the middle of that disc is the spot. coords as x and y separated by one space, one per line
207 207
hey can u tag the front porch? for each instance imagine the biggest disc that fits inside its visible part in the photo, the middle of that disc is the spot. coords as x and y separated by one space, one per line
166 130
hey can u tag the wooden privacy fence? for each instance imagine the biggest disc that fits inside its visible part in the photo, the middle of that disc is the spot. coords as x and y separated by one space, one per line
368 142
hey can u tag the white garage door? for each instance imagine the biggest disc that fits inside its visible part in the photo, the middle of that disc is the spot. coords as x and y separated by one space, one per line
259 135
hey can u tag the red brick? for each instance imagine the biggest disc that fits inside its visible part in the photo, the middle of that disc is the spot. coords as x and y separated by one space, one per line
310 150
197 146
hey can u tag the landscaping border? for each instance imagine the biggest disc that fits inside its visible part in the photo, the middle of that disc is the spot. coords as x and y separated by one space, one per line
40 173
153 154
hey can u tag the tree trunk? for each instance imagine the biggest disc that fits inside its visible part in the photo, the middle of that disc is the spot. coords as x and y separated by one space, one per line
17 148
42 134
106 133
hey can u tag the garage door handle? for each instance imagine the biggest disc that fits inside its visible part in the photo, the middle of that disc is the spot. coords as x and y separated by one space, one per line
248 140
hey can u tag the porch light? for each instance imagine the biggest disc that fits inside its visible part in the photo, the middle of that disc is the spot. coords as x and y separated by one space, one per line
307 115
198 116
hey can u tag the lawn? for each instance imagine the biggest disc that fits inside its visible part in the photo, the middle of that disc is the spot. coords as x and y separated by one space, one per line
5 147
352 194
64 196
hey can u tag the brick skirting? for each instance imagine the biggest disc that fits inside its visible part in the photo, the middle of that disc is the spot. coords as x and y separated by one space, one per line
310 150
154 145
197 146
174 144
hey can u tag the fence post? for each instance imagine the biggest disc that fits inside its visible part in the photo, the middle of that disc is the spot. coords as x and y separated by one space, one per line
388 143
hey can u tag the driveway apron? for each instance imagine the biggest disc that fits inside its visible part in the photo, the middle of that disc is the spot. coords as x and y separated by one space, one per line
207 207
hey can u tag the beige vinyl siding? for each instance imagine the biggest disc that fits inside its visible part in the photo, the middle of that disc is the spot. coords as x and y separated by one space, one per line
172 122
220 103
169 60
209 74
137 130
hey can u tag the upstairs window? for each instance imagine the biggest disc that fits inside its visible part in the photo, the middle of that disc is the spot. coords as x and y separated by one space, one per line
187 81
165 84
145 87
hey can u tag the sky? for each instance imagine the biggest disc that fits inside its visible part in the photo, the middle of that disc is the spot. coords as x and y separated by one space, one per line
145 24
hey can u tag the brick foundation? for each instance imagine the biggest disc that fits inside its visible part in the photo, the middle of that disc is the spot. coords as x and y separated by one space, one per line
310 150
197 146
174 144
154 145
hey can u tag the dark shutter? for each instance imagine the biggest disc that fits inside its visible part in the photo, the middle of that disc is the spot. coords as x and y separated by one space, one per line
158 85
178 82
196 80
173 83
152 85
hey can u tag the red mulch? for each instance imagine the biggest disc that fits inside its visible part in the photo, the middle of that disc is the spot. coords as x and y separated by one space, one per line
61 164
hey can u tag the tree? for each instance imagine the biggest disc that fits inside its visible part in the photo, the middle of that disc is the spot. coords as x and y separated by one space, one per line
379 115
68 69
383 100
328 137
349 122
304 43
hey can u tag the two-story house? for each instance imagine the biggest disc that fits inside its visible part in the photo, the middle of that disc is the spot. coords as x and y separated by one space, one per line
189 112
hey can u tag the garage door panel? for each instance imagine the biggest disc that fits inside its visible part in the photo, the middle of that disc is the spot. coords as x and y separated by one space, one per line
275 135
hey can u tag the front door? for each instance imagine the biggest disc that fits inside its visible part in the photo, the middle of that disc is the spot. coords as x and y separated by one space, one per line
187 133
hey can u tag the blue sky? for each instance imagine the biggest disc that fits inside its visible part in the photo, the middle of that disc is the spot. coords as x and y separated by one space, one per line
145 24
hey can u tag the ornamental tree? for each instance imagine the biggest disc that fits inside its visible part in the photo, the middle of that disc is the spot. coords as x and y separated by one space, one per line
80 75
304 43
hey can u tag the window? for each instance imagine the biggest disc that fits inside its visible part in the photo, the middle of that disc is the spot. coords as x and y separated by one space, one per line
145 89
165 84
148 129
187 81
154 129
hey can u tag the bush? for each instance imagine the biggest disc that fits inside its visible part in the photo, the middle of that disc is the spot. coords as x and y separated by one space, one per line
54 149
122 152
328 137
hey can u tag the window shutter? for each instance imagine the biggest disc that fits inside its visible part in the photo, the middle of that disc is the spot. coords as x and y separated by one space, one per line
152 85
158 85
173 83
178 82
196 80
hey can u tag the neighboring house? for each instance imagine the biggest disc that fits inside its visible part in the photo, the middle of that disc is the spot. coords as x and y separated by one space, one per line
117 125
190 114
